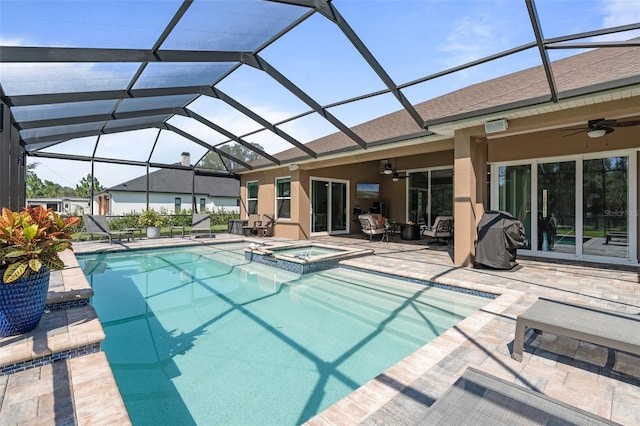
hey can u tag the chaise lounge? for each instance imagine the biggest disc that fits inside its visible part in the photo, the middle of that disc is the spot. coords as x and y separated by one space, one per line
98 225
200 222
601 327
478 398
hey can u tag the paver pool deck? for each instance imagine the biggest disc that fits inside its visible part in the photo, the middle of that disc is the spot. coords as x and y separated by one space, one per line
577 373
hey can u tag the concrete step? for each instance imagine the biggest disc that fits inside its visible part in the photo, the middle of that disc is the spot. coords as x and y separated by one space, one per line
78 391
60 334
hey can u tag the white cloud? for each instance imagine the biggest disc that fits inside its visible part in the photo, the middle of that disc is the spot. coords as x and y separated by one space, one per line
12 42
621 12
470 38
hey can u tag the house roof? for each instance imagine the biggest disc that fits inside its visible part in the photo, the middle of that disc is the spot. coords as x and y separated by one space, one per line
176 181
581 74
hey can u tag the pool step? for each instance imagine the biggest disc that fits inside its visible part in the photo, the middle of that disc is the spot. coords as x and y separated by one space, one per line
69 287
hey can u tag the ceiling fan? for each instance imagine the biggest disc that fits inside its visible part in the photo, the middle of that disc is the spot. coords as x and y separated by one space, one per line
600 127
396 176
389 170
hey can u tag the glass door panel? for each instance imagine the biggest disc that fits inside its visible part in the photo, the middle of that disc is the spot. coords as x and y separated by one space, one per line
328 206
557 207
441 194
418 197
319 205
338 206
514 194
605 206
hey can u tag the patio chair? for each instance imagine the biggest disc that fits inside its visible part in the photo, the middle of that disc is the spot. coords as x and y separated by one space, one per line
267 228
478 398
371 226
252 226
200 222
442 229
97 225
598 326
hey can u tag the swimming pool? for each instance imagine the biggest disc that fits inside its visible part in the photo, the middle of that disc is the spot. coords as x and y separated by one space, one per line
202 336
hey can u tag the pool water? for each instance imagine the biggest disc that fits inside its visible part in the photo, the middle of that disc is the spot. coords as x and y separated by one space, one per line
202 336
310 251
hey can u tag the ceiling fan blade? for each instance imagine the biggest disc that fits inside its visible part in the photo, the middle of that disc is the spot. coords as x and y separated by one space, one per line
626 123
575 133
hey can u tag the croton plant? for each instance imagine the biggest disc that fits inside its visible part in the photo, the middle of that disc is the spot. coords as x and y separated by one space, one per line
31 239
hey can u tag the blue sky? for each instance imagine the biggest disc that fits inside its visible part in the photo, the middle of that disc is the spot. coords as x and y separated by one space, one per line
410 38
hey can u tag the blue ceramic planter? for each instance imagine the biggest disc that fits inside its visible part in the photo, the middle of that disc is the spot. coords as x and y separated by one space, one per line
22 303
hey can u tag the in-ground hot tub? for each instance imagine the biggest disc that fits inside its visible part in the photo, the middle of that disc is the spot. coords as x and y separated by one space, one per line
303 258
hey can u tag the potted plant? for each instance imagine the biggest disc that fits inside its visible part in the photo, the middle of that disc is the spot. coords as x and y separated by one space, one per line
153 221
30 243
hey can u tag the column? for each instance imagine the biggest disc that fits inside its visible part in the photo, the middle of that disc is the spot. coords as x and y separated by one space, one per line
470 193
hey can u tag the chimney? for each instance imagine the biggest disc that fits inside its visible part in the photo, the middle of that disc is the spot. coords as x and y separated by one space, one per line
186 159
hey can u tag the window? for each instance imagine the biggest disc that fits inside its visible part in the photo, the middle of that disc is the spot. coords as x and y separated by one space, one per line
203 205
283 198
252 197
178 203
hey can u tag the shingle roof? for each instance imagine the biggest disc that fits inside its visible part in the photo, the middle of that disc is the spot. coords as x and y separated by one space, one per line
575 72
177 181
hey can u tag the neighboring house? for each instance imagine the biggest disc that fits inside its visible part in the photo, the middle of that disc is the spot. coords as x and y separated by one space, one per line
170 190
502 144
64 205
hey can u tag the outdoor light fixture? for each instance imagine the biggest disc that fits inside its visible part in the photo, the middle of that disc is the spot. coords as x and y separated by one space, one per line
388 169
396 178
496 126
597 133
293 167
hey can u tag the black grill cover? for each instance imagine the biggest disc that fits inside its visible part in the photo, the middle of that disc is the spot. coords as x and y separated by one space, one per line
499 236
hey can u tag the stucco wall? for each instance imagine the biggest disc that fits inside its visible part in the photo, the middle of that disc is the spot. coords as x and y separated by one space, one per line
393 193
553 143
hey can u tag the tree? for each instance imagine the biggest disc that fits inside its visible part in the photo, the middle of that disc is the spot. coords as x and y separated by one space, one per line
213 160
35 187
83 189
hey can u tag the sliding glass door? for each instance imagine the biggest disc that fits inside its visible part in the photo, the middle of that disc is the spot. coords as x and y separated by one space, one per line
583 204
430 195
329 206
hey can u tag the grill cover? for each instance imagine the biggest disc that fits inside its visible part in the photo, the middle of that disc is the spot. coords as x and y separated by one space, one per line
499 236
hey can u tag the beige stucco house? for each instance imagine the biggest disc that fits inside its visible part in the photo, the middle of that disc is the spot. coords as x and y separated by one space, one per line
488 153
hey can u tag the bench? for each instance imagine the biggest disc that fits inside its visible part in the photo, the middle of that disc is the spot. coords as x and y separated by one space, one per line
478 398
598 326
617 235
